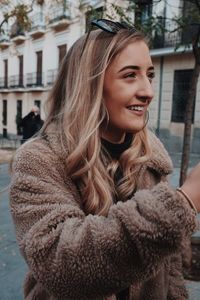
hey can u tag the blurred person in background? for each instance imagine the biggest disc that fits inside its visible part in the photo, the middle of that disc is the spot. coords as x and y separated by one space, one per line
30 124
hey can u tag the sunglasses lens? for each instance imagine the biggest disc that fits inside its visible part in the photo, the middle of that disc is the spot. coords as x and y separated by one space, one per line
103 25
109 26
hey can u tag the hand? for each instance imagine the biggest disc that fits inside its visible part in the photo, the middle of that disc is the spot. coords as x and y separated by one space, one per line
192 186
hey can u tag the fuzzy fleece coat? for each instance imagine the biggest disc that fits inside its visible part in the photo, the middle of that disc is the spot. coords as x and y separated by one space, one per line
75 256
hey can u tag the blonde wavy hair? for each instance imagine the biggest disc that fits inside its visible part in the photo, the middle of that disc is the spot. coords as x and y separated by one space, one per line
76 106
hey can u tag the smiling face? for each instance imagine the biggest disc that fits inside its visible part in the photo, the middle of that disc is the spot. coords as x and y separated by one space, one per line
128 91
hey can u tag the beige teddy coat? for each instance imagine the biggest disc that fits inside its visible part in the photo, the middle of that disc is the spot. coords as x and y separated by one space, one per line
75 256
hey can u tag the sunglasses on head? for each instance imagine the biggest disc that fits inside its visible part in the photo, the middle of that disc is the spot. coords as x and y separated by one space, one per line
107 26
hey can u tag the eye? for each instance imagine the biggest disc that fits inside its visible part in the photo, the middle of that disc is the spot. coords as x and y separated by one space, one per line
151 76
130 75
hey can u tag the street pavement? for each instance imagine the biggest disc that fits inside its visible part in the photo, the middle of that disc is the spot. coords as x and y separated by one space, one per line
12 266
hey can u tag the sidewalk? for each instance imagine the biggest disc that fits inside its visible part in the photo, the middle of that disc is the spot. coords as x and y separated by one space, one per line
6 155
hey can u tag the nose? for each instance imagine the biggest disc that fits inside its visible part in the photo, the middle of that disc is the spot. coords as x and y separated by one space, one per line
145 91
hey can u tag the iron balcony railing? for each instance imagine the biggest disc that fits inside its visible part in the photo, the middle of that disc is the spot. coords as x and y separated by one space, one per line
37 21
61 11
29 80
34 79
170 37
16 30
51 76
3 82
16 81
4 37
5 34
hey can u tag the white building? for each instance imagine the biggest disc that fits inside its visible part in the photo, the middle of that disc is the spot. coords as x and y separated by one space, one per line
173 75
29 62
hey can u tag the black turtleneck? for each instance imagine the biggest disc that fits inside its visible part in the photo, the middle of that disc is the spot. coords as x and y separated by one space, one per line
115 150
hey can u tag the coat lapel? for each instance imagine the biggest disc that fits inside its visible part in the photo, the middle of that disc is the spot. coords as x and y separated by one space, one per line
159 160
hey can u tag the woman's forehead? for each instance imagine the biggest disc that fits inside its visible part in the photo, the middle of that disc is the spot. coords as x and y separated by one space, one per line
135 53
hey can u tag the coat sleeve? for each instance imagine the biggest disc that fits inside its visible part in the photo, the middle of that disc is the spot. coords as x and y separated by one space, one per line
177 289
80 256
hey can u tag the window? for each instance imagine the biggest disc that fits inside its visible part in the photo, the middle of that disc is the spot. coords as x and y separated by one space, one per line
4 112
21 75
62 49
180 94
159 34
37 103
19 115
143 11
39 68
5 73
5 135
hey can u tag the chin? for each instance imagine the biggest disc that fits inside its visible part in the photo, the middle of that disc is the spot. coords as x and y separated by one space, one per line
137 128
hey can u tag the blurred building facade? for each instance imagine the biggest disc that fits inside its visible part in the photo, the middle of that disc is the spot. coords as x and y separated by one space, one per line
174 64
29 62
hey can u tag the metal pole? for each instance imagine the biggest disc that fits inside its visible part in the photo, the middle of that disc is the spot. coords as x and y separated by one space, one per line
160 95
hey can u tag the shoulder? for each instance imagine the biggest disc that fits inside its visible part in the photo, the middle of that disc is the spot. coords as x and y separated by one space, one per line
36 154
37 169
28 116
155 142
37 147
160 159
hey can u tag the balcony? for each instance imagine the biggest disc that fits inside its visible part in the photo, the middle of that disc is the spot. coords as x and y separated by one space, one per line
51 76
4 40
3 83
60 17
34 80
37 26
171 38
16 81
17 33
31 81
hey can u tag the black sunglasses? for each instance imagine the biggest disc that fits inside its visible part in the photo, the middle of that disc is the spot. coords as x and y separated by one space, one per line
108 26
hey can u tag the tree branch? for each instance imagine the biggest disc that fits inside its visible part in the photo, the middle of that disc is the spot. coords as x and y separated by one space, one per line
196 49
197 4
1 24
13 13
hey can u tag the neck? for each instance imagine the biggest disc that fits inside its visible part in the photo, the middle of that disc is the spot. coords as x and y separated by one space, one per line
113 139
113 135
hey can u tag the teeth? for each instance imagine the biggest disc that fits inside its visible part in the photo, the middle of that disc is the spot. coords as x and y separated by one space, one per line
138 108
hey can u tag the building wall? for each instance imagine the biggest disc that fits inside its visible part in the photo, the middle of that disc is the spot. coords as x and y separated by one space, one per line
27 103
172 132
48 44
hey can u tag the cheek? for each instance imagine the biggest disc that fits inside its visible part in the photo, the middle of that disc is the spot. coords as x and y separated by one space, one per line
110 91
118 94
111 98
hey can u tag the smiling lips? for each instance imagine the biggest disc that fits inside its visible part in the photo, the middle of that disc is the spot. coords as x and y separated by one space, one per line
137 109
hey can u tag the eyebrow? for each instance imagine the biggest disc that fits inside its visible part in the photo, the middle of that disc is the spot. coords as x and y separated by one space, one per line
151 68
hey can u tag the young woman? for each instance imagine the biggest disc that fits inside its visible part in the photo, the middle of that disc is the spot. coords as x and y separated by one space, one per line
95 217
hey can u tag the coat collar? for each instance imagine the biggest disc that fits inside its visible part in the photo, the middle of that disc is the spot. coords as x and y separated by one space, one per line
159 160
